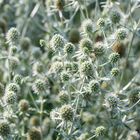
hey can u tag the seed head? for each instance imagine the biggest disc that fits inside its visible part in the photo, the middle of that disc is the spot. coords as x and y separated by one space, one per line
112 100
120 34
114 57
10 97
87 26
101 22
4 129
13 87
60 4
100 131
23 105
25 44
86 43
86 68
57 41
115 17
13 50
12 36
63 96
94 86
69 48
115 72
35 121
17 79
74 36
34 134
99 49
65 76
66 112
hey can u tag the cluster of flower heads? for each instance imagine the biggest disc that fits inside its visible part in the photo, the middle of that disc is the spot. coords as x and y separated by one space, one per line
78 84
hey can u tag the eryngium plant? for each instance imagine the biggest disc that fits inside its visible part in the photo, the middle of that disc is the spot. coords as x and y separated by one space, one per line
69 70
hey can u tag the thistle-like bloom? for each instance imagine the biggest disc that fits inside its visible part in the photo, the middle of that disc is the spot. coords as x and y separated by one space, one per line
60 4
69 48
17 79
87 68
10 97
39 86
65 76
25 43
63 96
4 129
34 134
114 57
12 36
100 131
101 22
94 86
120 34
86 43
112 100
66 112
57 41
115 72
87 26
23 105
99 49
115 16
13 87
35 121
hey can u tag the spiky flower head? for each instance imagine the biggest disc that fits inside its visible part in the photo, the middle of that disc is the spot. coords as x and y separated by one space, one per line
69 48
101 22
65 76
57 41
36 53
25 43
12 36
94 86
58 67
17 79
10 97
13 87
60 4
112 100
86 43
115 72
38 67
34 134
100 131
74 36
1 89
114 57
39 86
87 68
66 112
4 129
13 63
134 95
87 26
35 121
75 66
23 105
42 43
13 50
115 16
68 66
99 49
120 34
63 96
